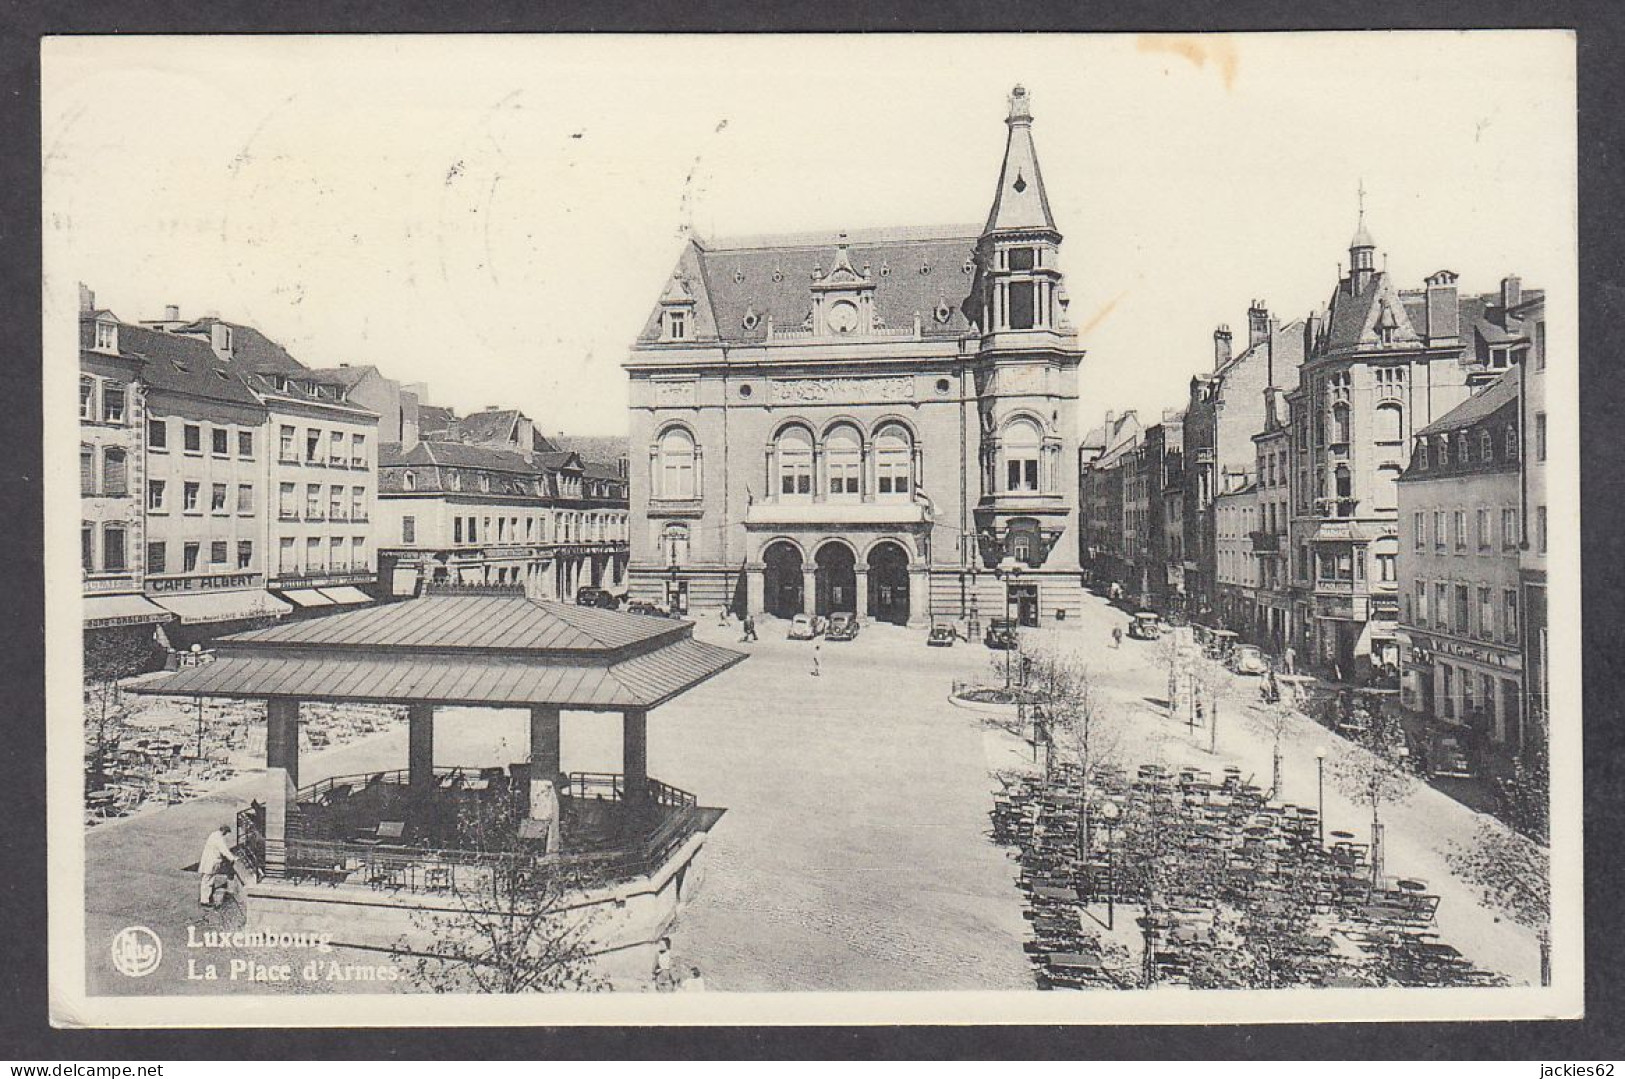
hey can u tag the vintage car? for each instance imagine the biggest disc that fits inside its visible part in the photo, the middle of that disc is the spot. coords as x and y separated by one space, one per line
1146 626
1447 757
597 597
843 626
942 635
1001 634
641 607
1248 659
801 628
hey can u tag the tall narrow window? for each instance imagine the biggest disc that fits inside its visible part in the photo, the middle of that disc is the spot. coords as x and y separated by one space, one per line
1389 423
894 461
1022 443
87 397
1021 305
843 460
113 402
1340 424
113 548
795 453
87 469
676 459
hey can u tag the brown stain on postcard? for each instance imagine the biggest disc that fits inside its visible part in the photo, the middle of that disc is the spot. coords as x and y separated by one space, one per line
1221 49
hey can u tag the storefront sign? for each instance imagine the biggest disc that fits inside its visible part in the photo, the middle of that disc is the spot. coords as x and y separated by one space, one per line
210 582
1426 650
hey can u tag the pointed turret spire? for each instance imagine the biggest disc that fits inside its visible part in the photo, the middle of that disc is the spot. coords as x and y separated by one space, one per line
1361 250
1020 201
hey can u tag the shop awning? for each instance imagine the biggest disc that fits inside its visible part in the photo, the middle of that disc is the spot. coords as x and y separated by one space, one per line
225 606
344 594
131 610
306 597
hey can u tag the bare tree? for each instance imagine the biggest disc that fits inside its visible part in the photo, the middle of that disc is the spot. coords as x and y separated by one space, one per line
509 925
1509 861
1273 720
108 657
1379 772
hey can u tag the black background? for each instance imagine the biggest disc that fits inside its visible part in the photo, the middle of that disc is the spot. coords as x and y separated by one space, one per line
24 1030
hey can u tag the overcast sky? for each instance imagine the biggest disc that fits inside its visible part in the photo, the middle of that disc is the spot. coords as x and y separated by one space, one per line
496 216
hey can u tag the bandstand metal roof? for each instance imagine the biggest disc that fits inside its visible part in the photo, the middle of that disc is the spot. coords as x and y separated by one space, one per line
486 649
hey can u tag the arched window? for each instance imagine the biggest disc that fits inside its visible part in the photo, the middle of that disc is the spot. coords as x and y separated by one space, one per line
1486 445
676 464
795 459
674 544
1344 481
1022 442
409 481
1386 495
1389 423
115 481
1340 424
843 461
894 461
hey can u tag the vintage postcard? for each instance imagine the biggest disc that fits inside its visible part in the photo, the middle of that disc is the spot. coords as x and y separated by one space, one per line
480 439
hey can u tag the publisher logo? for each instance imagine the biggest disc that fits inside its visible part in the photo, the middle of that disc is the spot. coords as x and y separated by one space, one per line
136 951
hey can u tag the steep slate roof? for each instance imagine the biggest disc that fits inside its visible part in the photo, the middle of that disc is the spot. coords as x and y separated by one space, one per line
730 278
463 649
347 377
594 449
1020 201
491 427
433 419
1480 405
250 349
178 364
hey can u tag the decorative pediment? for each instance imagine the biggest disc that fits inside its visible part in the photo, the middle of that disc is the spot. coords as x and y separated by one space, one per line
842 275
677 292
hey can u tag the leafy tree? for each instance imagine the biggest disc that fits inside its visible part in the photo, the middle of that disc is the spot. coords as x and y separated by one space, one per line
505 927
109 655
1379 772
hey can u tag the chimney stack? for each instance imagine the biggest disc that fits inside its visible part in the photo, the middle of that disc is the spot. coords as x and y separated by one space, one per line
172 312
1110 416
1221 346
1311 331
1443 316
1511 291
220 340
1258 323
87 299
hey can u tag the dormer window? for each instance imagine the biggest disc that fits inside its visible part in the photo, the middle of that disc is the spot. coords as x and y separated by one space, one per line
409 481
106 337
676 325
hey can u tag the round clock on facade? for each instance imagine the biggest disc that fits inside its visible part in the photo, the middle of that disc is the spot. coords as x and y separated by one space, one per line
843 317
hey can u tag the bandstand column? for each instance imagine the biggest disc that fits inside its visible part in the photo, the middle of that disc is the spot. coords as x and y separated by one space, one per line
544 741
809 588
282 735
919 596
635 755
420 747
860 602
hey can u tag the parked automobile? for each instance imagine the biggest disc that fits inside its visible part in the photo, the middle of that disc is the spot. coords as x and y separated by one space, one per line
1248 659
1147 626
1001 634
597 597
801 628
1447 757
643 607
843 626
942 635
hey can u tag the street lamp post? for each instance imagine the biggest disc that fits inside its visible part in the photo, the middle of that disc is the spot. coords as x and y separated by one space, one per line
1108 813
1320 793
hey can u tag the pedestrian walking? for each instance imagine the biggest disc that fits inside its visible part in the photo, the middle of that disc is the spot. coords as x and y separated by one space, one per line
750 628
1291 659
213 865
1117 636
663 972
815 660
722 616
694 983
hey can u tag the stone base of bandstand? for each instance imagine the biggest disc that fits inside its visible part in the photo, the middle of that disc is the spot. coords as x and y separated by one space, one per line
626 919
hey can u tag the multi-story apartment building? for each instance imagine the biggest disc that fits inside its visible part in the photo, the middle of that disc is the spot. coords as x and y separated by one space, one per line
1381 363
323 476
1273 622
204 488
1531 315
112 477
1101 494
1171 521
1225 409
882 423
1460 532
474 514
1235 519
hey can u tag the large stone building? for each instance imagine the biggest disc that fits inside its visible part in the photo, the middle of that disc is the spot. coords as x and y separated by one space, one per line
1460 534
1102 489
1225 409
1381 363
880 422
1271 546
1530 316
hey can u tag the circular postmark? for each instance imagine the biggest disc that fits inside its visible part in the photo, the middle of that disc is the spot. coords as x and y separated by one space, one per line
137 951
